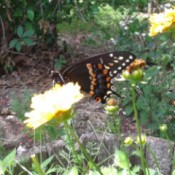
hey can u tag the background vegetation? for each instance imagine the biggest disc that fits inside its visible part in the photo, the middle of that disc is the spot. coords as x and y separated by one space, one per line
26 25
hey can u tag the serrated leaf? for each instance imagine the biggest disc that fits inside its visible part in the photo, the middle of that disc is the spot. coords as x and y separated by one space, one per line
13 43
28 33
30 14
20 31
18 46
29 42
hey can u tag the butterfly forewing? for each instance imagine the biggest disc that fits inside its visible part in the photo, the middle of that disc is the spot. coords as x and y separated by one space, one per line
94 74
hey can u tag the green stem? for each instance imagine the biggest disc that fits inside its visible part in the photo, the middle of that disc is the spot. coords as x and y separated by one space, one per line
155 159
82 148
171 150
138 129
75 156
37 165
117 125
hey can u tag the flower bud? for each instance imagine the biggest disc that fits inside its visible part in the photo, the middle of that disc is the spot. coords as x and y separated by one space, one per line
143 139
163 127
128 141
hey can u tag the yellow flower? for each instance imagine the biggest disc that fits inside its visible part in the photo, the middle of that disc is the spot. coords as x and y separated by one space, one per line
128 141
161 22
52 104
143 140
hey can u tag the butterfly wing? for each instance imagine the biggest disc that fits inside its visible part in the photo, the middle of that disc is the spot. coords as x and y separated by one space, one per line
94 74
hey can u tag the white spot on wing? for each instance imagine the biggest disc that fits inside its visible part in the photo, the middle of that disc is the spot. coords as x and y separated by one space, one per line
123 64
111 54
108 92
116 61
131 57
120 58
106 67
127 61
119 68
115 71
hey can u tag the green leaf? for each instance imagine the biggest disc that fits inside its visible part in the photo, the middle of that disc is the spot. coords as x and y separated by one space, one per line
109 170
166 59
28 26
121 160
136 169
151 72
46 162
18 46
28 33
59 62
20 31
73 171
9 159
2 167
29 42
144 116
129 110
13 43
30 14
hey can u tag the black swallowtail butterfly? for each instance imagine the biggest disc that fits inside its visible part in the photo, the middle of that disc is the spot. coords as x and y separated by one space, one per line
94 74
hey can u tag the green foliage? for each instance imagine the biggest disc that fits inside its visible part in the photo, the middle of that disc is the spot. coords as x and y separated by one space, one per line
20 104
24 38
75 26
59 62
108 19
2 150
154 99
46 167
8 163
8 67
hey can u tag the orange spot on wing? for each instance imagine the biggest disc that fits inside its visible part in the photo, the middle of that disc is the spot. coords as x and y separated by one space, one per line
108 78
91 93
108 85
100 66
105 71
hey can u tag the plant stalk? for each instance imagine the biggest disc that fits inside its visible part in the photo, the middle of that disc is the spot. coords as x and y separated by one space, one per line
138 129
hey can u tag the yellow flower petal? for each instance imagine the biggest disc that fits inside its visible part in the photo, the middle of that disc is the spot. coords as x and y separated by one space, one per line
161 22
52 104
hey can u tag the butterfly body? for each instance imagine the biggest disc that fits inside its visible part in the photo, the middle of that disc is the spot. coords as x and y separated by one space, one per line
94 74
